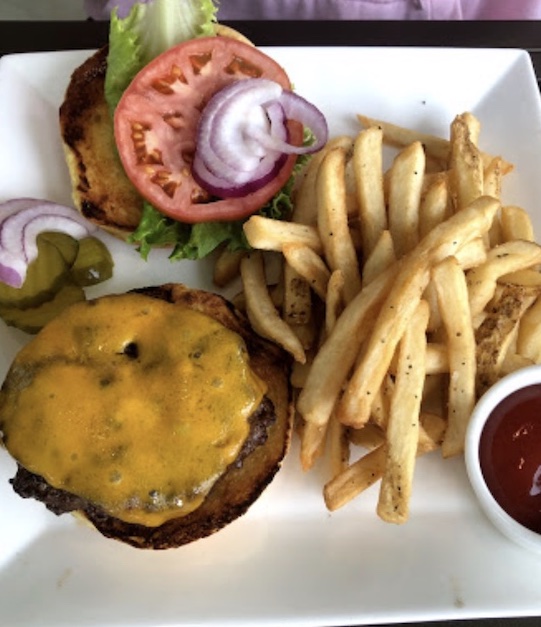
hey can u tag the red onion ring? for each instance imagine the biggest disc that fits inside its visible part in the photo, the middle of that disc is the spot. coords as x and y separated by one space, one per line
242 137
21 220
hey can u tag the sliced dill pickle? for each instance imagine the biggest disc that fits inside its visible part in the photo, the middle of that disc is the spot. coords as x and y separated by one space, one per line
33 319
66 244
93 264
44 277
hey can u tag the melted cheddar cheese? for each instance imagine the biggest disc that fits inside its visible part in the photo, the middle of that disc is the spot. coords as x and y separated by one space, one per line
133 403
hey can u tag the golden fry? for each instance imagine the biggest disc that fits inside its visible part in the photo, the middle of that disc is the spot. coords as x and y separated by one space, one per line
268 234
309 265
403 427
492 178
297 306
405 186
452 293
466 165
312 439
227 267
333 221
305 207
368 171
497 332
369 468
504 259
467 225
472 254
381 258
395 315
434 207
338 447
516 224
334 301
357 478
531 277
369 437
339 351
529 333
261 310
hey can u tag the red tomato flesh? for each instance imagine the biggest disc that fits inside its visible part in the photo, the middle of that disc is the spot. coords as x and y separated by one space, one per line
156 124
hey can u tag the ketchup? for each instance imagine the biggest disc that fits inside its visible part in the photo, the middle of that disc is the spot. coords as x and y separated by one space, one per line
510 455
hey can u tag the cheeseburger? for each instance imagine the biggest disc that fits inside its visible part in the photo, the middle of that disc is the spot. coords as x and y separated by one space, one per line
158 415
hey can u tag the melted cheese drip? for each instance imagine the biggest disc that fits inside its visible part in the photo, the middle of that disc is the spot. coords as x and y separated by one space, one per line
134 403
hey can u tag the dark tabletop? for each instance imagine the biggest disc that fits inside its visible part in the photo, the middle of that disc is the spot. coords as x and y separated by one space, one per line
45 36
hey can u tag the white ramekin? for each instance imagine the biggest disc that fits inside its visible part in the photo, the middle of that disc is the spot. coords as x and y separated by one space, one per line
501 519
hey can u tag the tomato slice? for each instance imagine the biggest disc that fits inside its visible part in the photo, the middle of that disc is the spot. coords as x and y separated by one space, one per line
156 124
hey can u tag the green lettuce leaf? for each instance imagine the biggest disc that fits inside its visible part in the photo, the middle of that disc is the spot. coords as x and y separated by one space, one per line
147 31
199 240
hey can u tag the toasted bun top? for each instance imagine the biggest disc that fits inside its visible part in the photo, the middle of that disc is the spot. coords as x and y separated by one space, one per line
101 190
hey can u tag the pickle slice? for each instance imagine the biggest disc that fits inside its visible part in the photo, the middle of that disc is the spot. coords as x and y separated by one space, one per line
33 319
44 277
66 244
93 264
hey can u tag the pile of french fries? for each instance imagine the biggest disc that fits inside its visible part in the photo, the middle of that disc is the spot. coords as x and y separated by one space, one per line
405 291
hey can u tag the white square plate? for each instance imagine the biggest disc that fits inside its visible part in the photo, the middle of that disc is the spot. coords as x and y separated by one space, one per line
288 561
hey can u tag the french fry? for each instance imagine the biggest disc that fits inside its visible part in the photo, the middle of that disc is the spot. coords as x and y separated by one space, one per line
227 267
297 306
312 439
472 254
516 224
369 468
308 265
492 178
369 437
305 207
394 317
405 185
368 171
431 432
357 478
381 404
437 359
497 332
381 257
261 310
434 206
452 293
333 221
337 354
338 447
529 333
471 122
531 277
466 165
450 236
268 234
403 428
334 300
504 259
